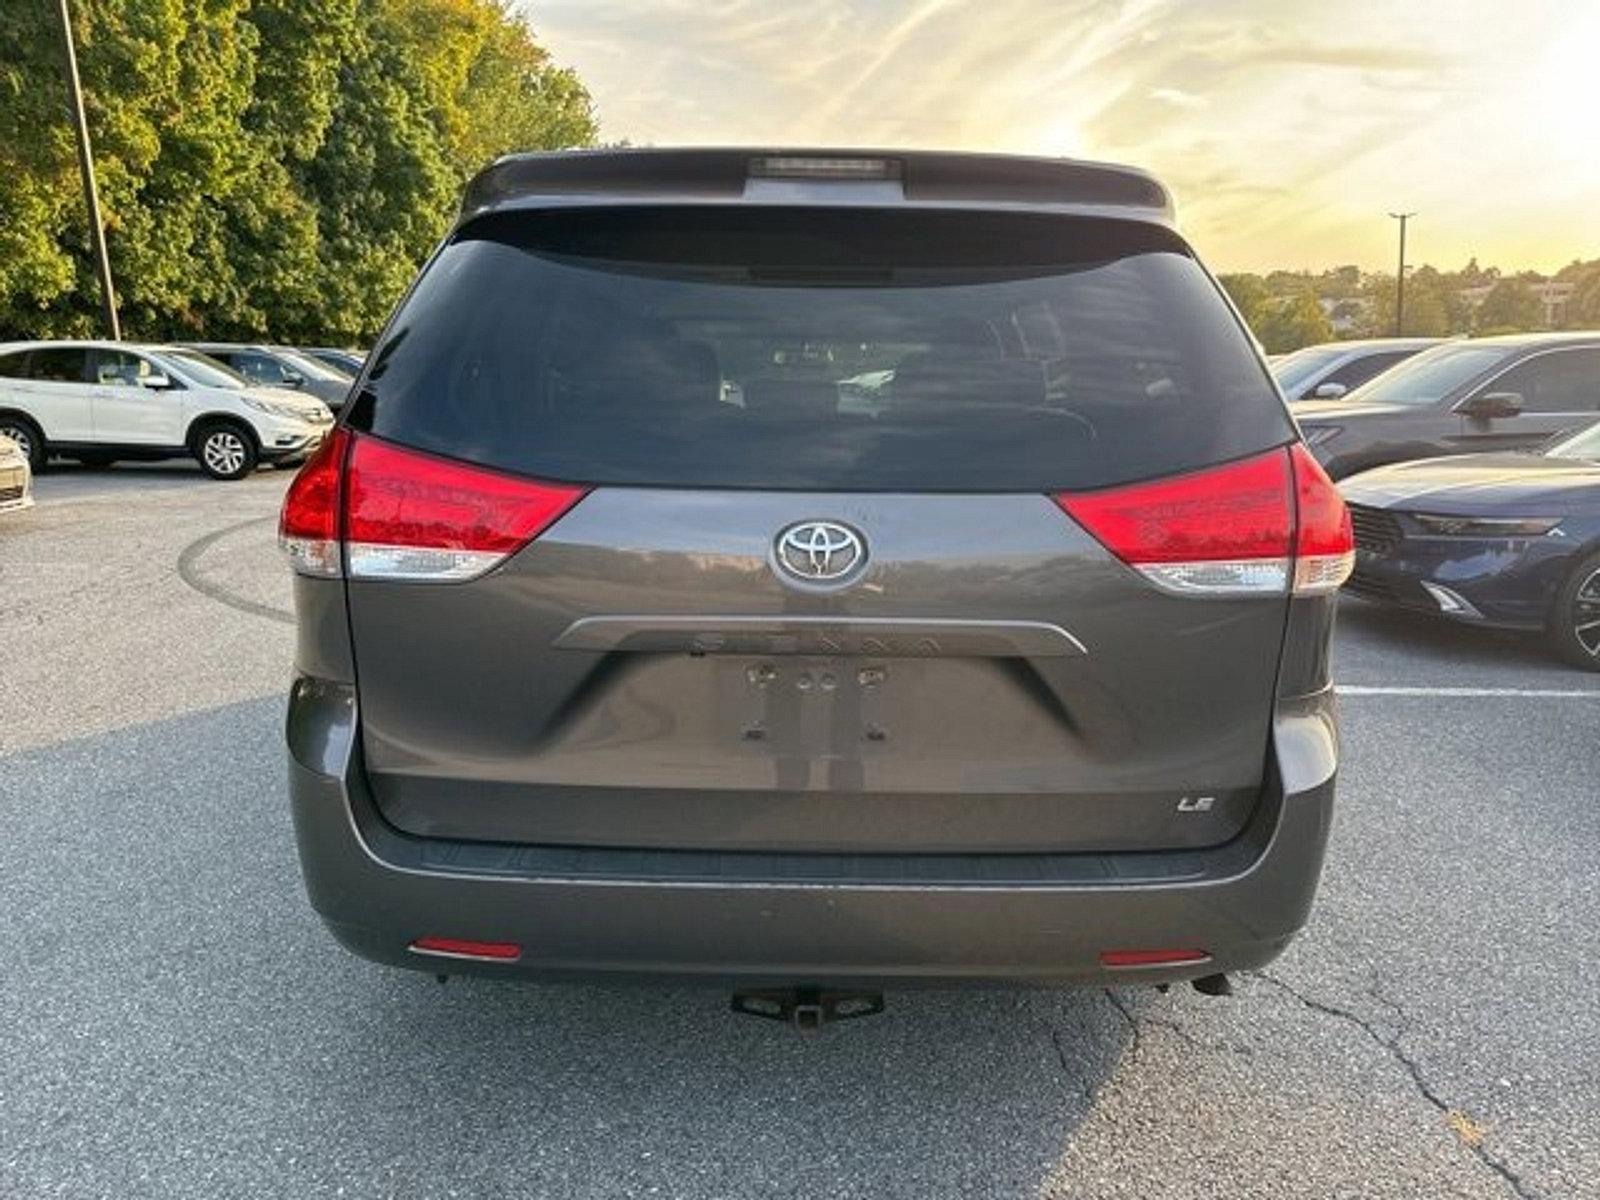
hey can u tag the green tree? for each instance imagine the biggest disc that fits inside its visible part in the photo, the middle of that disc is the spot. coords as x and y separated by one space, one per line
1433 307
1248 293
273 168
1510 307
1290 322
1583 310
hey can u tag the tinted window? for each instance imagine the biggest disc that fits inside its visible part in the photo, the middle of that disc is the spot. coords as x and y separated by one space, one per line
1295 372
1558 381
1369 366
117 368
58 364
1429 377
257 368
827 350
202 369
14 365
310 367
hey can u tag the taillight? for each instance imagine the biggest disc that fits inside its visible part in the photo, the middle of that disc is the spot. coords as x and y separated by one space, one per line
407 516
1324 546
308 526
412 516
1231 530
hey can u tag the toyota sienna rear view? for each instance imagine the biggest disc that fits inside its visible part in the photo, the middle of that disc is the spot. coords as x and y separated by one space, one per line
814 572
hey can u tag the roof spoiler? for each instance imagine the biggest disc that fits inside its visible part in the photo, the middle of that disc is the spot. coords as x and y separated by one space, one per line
869 178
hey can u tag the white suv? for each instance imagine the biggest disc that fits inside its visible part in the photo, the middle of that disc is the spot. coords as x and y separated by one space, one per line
101 401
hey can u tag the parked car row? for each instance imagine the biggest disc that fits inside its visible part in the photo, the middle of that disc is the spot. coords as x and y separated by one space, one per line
1472 472
98 402
1334 369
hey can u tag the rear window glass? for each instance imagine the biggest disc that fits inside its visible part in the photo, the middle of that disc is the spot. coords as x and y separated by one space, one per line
805 349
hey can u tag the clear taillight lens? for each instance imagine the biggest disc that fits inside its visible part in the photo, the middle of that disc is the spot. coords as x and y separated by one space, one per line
1245 528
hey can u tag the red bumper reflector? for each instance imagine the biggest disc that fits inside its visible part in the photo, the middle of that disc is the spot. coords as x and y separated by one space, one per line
462 948
1151 958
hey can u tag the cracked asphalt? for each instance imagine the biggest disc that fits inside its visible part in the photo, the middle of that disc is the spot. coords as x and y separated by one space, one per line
175 1023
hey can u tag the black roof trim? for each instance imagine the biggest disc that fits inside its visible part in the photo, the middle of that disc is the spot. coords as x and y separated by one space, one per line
921 178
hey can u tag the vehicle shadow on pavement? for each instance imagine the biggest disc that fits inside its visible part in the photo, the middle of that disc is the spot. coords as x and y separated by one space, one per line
1446 640
181 1024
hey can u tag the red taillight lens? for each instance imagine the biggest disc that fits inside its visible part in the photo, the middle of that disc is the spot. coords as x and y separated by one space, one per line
1324 547
1151 958
412 516
1222 531
380 511
442 947
1244 528
308 526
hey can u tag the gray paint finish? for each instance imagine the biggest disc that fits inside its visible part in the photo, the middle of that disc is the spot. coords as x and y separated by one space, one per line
482 721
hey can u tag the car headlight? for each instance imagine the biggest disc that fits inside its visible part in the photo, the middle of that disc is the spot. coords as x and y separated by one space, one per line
287 411
1509 527
1318 434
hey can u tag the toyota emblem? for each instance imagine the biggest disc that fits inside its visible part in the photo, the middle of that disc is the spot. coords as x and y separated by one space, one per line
819 551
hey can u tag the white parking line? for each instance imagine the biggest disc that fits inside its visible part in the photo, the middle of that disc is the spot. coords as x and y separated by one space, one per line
1356 689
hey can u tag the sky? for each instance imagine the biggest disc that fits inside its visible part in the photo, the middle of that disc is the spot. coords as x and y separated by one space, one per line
1287 129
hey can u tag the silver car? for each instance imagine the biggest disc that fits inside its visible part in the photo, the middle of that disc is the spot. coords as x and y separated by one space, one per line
635 641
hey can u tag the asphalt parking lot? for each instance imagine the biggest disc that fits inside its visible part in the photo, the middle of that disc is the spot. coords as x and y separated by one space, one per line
176 1023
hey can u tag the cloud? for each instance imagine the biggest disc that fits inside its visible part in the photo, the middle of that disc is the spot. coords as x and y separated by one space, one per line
1177 97
1285 127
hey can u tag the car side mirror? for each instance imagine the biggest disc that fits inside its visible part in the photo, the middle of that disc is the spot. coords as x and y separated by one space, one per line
1488 405
294 379
156 381
1329 391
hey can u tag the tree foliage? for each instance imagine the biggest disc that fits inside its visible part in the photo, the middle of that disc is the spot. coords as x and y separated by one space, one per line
1280 322
1510 306
1473 300
267 168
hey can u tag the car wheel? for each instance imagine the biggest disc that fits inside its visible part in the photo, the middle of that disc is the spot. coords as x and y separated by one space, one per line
225 451
1574 629
28 439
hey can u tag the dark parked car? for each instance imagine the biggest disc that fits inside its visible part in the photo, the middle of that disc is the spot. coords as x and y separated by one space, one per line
1334 369
1463 397
348 361
631 643
1508 540
279 366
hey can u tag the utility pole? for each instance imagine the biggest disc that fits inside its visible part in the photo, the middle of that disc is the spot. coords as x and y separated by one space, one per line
91 196
1399 278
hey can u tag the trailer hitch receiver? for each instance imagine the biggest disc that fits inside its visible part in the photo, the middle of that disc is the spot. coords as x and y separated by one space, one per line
808 1009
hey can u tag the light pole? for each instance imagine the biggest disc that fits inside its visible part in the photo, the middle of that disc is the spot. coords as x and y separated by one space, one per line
1399 278
91 196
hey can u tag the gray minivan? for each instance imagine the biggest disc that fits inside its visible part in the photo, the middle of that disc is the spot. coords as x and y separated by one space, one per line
814 570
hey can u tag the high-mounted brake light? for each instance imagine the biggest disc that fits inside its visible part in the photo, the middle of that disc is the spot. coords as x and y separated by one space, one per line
1245 528
791 166
379 511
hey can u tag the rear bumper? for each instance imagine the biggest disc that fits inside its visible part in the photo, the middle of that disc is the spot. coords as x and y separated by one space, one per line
825 919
